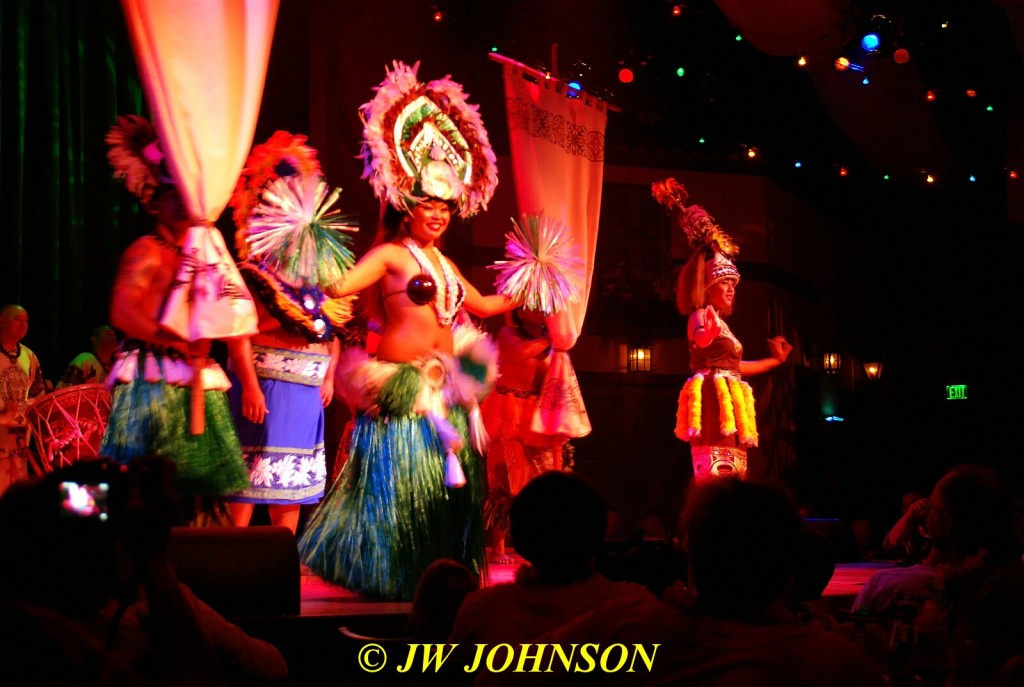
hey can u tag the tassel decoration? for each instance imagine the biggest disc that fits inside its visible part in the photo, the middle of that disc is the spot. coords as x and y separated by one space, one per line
454 477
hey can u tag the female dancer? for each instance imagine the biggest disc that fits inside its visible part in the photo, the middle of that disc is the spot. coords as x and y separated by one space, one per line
398 505
716 407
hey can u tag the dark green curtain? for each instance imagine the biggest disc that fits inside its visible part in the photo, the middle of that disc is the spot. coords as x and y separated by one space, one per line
66 72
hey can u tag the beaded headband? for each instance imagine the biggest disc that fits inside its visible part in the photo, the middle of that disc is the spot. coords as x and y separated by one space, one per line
719 268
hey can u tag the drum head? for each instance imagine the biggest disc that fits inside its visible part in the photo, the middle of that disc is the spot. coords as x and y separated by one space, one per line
69 424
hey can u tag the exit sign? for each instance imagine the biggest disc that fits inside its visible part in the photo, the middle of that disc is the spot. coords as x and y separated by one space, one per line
956 392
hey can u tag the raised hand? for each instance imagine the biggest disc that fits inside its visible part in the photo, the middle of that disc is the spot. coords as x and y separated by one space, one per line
779 348
712 323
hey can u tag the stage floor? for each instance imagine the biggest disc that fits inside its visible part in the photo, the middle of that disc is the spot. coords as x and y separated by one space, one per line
323 598
320 598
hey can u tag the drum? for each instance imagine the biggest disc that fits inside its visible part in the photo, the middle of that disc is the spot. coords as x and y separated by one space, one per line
69 424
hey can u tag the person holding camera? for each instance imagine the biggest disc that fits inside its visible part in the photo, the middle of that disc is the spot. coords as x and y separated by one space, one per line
88 595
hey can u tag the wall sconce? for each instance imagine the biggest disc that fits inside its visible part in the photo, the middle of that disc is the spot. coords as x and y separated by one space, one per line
873 370
638 359
832 362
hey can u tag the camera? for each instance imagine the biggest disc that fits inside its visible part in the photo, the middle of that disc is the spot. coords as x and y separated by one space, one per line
85 500
91 491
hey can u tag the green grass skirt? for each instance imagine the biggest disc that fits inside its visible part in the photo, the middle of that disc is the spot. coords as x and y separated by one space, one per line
389 514
153 417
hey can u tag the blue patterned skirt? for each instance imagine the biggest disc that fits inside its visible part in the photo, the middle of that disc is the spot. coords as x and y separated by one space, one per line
284 453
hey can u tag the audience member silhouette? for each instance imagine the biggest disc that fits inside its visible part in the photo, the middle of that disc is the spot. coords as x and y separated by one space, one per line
92 366
901 592
815 566
729 625
898 592
974 622
442 588
868 546
557 523
89 596
907 540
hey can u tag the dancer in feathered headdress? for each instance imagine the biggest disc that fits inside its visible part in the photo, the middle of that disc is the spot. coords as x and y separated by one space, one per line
295 251
721 424
150 382
412 485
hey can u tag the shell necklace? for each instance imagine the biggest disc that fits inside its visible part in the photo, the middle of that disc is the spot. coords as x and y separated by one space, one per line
453 292
12 356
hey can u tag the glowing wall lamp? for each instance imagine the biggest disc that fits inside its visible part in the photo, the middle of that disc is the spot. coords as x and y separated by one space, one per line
873 370
638 359
832 362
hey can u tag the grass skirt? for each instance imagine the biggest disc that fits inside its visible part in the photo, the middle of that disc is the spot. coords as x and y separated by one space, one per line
389 515
153 417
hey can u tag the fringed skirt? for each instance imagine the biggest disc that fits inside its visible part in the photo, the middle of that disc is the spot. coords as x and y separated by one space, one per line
716 415
150 415
389 515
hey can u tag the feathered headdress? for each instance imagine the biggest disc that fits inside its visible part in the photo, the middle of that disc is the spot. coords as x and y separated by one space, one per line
699 227
283 154
136 156
713 249
293 245
282 208
426 141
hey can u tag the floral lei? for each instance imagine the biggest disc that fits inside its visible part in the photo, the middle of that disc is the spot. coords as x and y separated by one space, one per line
454 294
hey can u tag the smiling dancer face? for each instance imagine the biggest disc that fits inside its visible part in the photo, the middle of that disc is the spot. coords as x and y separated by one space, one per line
428 221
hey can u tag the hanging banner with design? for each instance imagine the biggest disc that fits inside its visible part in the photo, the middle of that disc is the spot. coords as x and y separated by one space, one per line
557 148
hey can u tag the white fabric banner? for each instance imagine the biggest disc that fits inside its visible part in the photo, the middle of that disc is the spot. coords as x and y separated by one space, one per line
203 64
557 146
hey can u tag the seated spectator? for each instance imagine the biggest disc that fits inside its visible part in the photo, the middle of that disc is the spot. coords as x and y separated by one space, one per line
901 592
557 523
815 566
87 577
442 588
898 592
907 540
729 624
868 547
971 631
92 366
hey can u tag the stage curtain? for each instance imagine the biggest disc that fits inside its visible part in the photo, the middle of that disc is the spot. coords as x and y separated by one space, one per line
203 65
68 70
557 150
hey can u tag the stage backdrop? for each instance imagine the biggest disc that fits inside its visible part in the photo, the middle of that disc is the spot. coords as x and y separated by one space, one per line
557 149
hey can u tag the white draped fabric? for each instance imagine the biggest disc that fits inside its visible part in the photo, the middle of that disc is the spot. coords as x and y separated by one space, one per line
203 64
557 146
